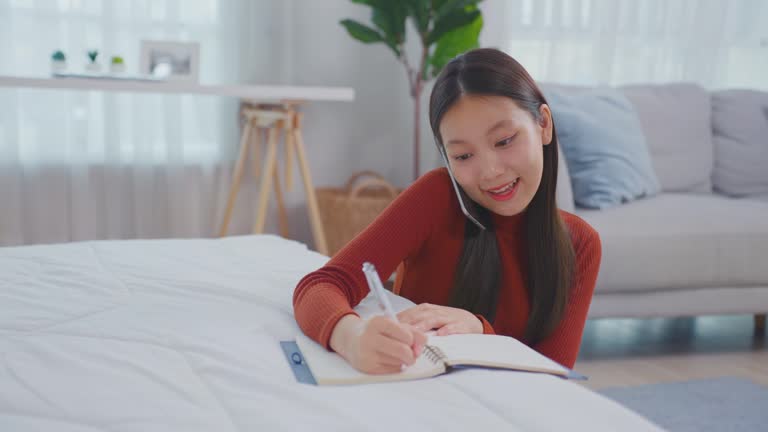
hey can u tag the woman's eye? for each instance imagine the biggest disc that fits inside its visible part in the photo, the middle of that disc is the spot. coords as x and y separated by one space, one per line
462 157
505 141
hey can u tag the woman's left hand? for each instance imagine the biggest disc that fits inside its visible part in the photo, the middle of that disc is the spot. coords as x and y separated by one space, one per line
446 320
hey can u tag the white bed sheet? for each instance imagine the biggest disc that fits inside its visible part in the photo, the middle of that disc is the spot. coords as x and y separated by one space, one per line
182 335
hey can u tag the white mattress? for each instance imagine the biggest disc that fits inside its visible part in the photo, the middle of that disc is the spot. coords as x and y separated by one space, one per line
182 335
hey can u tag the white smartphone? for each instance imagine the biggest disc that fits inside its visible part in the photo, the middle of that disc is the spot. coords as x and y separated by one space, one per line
468 207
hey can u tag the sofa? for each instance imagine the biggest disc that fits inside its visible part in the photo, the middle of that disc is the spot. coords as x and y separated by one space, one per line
700 245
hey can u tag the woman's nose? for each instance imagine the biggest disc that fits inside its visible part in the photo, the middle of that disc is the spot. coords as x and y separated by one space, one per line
492 167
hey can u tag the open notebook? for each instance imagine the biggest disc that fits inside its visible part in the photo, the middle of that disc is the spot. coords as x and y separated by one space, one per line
440 355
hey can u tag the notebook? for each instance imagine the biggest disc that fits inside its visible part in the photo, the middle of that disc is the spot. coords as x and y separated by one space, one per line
440 355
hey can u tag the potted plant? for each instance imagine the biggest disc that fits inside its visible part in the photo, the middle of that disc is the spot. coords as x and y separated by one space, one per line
93 65
445 28
58 61
117 65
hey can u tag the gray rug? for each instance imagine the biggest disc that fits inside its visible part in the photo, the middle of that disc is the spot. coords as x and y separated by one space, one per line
712 405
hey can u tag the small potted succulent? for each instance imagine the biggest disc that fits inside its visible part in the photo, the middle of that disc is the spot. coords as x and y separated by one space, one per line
58 61
93 65
117 65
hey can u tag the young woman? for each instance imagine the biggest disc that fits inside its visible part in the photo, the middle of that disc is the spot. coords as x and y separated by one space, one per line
529 274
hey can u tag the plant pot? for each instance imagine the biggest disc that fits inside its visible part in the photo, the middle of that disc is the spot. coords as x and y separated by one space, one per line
58 65
117 68
93 67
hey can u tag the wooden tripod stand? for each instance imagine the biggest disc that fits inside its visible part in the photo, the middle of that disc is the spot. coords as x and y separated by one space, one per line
273 119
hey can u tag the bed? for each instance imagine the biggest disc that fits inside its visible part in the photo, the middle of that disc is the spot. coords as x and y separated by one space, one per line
183 335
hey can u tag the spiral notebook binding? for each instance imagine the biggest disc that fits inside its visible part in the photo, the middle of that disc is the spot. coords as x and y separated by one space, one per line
434 354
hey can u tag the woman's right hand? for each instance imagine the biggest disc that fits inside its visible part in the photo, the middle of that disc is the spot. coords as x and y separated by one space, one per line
377 346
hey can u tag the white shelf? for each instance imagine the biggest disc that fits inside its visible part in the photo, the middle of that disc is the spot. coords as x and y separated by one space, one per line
252 92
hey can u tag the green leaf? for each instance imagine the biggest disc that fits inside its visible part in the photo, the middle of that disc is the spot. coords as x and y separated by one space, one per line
420 11
361 32
454 43
447 6
391 21
450 22
389 17
437 4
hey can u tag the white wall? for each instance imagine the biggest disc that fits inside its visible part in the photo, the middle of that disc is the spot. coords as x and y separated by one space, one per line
373 132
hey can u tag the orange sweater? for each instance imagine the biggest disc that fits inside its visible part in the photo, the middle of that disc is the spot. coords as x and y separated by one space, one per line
424 229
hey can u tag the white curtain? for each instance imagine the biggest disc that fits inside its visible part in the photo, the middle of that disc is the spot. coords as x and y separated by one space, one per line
97 165
715 43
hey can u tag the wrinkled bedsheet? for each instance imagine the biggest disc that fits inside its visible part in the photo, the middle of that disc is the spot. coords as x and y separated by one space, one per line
182 335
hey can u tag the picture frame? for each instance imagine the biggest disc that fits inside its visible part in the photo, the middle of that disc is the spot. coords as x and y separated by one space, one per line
170 60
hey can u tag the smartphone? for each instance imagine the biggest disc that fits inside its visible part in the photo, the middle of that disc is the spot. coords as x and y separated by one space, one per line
468 207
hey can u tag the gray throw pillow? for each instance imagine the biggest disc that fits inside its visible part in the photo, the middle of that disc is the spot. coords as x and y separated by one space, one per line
740 128
677 123
604 146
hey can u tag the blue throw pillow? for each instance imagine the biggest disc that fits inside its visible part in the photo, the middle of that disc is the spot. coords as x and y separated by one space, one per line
604 146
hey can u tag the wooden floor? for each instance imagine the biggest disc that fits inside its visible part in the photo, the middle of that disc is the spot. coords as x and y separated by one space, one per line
628 352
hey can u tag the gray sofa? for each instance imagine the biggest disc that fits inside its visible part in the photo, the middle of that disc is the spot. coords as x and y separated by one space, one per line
700 247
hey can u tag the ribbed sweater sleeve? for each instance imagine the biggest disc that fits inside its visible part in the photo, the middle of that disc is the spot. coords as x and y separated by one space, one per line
563 344
487 327
324 296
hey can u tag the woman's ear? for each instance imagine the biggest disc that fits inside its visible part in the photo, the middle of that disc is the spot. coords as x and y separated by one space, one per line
545 121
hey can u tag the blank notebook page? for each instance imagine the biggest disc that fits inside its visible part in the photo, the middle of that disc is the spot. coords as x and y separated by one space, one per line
492 351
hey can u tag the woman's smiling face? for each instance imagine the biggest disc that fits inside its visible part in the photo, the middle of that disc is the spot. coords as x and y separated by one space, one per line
494 148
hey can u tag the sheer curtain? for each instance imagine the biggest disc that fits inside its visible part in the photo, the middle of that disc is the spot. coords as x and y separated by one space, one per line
715 43
95 165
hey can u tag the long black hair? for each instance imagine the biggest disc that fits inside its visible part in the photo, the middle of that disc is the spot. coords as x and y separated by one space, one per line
550 253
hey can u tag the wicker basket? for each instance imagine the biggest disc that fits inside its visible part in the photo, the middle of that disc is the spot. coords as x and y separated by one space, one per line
346 211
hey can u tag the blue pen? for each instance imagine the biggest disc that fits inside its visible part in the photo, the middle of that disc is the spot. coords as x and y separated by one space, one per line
374 283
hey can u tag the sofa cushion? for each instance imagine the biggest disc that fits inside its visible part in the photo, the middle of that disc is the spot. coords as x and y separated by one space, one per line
677 127
675 241
740 133
604 146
